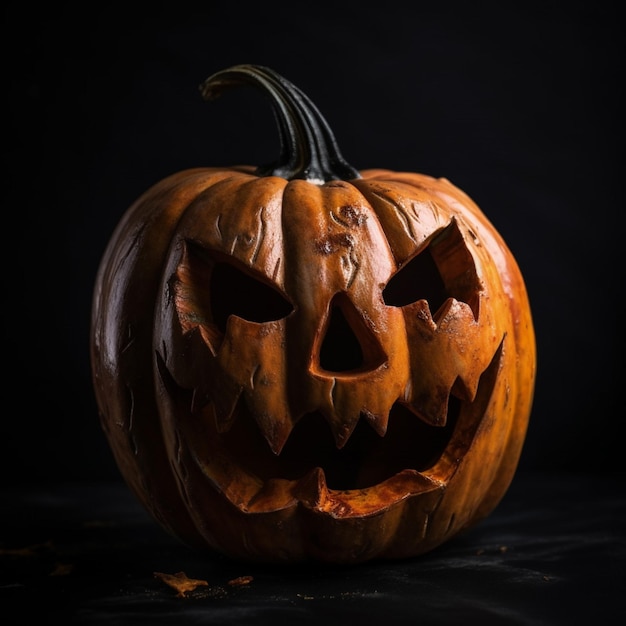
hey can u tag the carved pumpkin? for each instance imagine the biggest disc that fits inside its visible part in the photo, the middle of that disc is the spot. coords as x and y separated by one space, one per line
307 362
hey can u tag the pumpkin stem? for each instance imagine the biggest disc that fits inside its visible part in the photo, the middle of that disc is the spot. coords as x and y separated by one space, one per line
308 147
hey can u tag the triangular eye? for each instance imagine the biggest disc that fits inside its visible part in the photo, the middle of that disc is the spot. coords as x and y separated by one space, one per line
242 293
443 269
216 286
419 279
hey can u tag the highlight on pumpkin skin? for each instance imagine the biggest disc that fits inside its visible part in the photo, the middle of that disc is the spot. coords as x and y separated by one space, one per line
303 361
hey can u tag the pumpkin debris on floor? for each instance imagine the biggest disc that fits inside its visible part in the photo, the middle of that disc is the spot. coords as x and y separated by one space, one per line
240 581
180 582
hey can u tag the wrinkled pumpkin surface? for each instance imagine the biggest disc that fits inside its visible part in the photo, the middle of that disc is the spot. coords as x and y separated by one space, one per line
309 361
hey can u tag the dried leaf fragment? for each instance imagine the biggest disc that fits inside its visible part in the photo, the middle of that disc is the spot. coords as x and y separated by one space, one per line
181 582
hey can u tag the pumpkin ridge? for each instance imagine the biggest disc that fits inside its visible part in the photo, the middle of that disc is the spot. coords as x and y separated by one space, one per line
305 362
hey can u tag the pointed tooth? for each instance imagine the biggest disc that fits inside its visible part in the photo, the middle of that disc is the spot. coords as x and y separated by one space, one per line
378 422
342 429
429 416
431 407
435 415
276 430
466 389
208 339
311 489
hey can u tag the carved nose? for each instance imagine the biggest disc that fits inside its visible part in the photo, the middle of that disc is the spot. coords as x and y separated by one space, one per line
348 344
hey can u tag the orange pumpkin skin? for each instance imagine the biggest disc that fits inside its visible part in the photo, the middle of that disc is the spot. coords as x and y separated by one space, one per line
250 427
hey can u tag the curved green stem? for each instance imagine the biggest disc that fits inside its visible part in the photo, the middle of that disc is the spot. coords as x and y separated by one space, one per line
309 150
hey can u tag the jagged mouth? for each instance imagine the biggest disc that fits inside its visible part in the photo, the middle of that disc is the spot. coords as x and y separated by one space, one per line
365 460
367 475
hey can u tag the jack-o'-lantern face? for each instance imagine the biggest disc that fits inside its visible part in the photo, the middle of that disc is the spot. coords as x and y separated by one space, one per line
342 370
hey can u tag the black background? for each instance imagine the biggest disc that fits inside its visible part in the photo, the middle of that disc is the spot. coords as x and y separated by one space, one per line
518 106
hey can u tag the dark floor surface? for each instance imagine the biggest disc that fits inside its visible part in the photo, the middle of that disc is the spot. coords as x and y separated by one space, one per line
553 552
